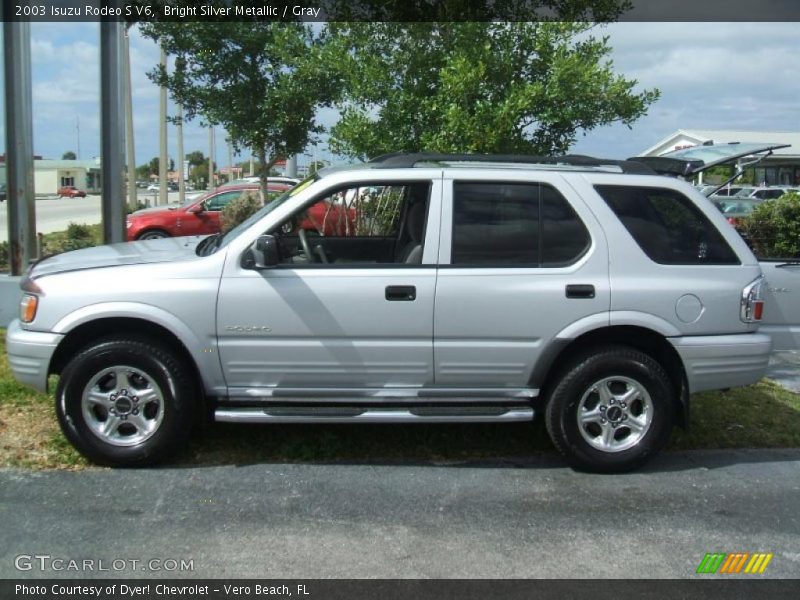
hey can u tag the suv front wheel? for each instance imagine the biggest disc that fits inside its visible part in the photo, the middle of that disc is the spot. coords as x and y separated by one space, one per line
125 402
611 410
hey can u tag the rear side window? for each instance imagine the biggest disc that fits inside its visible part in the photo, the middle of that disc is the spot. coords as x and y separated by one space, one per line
514 225
667 225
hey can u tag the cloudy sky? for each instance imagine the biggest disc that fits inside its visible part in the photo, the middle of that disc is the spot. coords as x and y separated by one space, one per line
711 76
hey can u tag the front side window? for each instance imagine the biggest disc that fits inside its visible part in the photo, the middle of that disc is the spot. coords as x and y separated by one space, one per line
514 225
375 223
220 201
667 226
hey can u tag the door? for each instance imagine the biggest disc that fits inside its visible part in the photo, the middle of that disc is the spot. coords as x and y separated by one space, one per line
357 323
522 261
782 303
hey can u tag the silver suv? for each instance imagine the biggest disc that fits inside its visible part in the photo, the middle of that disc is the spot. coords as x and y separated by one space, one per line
414 288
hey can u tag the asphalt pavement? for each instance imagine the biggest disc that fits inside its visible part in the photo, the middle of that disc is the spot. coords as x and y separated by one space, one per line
784 367
531 519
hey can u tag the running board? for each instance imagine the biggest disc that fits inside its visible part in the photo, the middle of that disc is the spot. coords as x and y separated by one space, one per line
467 414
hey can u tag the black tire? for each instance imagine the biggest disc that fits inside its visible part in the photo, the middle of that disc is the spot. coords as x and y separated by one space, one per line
576 388
171 413
153 234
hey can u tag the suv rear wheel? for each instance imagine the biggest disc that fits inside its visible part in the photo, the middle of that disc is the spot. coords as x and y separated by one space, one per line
611 410
125 402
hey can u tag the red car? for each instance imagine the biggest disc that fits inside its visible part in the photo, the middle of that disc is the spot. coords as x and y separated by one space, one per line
70 191
197 217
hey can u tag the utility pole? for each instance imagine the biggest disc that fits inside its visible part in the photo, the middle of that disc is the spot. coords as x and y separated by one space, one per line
252 167
211 142
291 166
78 133
181 158
230 161
19 141
129 141
162 157
112 128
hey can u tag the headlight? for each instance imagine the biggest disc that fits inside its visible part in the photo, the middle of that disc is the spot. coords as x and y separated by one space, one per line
27 308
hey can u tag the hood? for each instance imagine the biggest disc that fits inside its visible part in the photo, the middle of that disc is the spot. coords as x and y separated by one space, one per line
113 255
143 211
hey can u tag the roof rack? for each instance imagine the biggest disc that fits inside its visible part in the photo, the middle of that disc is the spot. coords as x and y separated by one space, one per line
399 160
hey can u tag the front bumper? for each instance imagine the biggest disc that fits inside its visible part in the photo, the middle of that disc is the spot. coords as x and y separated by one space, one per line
29 354
723 361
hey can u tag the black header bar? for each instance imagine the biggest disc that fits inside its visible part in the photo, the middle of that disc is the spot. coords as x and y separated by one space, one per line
735 588
401 10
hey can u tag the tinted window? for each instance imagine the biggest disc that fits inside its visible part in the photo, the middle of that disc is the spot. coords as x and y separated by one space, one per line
667 225
514 224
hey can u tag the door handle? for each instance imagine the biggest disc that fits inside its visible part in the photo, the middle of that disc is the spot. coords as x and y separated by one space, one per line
579 290
401 293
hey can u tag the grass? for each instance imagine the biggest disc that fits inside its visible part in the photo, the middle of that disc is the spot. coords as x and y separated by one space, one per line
764 415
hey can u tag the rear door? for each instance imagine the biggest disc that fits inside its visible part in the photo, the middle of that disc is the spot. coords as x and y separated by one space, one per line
520 260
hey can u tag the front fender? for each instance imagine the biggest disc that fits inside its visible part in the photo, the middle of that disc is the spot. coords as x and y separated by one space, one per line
203 350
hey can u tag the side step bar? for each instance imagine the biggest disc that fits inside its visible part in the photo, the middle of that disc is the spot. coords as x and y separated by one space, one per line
374 415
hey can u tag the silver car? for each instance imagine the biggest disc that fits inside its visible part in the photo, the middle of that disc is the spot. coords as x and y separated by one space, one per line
420 288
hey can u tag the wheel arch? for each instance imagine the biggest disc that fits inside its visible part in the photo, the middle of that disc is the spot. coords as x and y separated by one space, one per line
563 351
152 229
83 332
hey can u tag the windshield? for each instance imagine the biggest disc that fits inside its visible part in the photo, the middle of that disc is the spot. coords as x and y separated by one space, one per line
231 235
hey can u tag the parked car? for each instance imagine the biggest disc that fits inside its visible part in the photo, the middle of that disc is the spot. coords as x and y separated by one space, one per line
729 190
763 193
70 191
199 216
153 187
468 289
257 180
3 192
736 209
173 186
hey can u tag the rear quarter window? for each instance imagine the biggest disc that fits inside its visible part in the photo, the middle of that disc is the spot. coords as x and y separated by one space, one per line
667 226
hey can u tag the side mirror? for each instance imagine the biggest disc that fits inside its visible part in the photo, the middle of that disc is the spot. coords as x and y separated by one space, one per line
263 254
200 208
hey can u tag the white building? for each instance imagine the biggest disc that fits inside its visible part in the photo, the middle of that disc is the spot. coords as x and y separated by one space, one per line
781 168
49 175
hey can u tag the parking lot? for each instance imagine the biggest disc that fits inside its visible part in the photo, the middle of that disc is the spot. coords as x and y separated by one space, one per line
534 518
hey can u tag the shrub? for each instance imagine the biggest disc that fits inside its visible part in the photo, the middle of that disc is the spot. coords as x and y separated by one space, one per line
77 236
239 210
773 228
3 256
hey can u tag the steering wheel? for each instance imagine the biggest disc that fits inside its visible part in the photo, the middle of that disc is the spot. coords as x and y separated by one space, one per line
306 247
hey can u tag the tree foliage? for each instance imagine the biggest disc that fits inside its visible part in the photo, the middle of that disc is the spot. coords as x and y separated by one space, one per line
262 81
773 228
69 155
523 87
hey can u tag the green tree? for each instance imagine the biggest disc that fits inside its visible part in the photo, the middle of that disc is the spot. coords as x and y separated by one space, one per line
153 164
773 228
143 171
195 158
262 81
199 173
69 155
315 166
522 87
